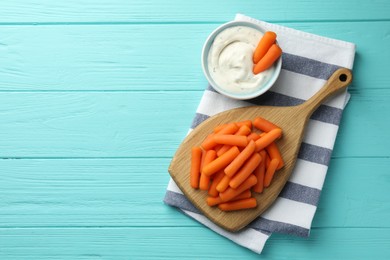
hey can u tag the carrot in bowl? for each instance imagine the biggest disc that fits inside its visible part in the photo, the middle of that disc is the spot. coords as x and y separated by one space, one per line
269 58
263 46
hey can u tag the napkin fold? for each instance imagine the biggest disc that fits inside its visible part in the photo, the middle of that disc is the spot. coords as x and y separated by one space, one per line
308 61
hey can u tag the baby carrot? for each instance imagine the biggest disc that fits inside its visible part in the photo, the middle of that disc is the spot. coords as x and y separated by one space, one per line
269 58
219 128
269 174
267 160
274 152
233 167
223 184
230 193
204 182
243 195
248 123
263 124
212 201
216 179
259 173
202 160
263 46
223 149
253 136
239 204
246 170
195 167
221 162
268 138
228 129
208 143
237 140
243 130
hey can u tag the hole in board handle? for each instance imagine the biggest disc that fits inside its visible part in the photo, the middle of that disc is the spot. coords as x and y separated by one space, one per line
343 77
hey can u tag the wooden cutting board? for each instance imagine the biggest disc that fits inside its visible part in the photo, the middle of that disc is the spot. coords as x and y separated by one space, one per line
291 119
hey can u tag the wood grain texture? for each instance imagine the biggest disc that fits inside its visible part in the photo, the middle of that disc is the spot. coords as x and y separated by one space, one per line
111 193
176 11
156 243
292 120
126 57
67 124
79 79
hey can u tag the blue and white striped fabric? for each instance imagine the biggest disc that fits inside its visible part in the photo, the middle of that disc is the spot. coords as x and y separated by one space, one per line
308 61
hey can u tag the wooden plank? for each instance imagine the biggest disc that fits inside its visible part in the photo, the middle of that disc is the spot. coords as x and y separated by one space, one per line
129 193
129 57
177 11
188 243
147 124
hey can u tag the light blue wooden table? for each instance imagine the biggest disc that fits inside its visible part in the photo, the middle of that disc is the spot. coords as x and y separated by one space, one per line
95 97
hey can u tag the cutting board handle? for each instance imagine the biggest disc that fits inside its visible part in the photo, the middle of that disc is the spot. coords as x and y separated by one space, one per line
338 82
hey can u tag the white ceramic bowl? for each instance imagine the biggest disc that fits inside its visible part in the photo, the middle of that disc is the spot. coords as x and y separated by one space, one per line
205 53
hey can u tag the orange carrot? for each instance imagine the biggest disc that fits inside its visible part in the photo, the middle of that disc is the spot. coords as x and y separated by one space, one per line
246 170
259 173
213 192
228 129
274 152
237 140
243 195
268 138
219 128
195 167
221 162
253 136
239 204
230 193
243 130
204 182
202 160
263 124
267 161
208 143
218 147
269 174
212 201
248 123
269 58
235 165
263 46
223 184
223 149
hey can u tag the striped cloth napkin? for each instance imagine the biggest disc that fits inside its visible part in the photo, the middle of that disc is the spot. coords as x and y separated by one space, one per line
308 61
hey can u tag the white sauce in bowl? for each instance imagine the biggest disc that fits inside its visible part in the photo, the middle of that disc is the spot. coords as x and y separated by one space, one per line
230 60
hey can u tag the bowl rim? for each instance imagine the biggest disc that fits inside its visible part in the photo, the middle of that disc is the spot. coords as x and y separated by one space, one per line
204 57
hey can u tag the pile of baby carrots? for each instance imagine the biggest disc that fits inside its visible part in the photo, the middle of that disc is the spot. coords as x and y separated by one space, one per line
266 52
235 159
